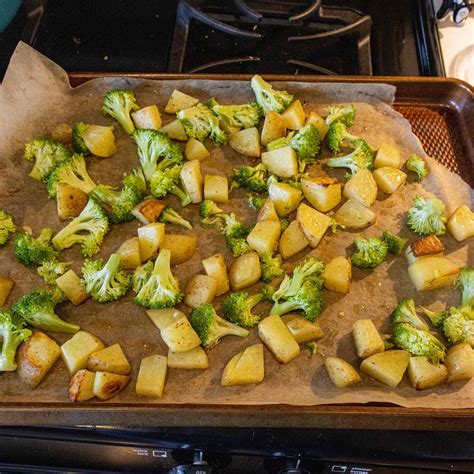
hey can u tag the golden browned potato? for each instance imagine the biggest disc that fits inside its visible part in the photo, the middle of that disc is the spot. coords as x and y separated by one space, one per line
294 116
70 285
286 198
264 236
389 179
387 367
301 329
180 336
319 123
62 133
149 210
460 362
274 126
81 386
281 162
429 245
152 376
314 223
245 271
341 373
216 188
195 150
338 275
35 357
215 267
147 117
244 368
100 140
76 351
292 240
367 339
277 337
129 253
179 101
111 359
387 155
70 201
175 131
429 273
461 223
191 178
162 318
150 237
108 385
201 289
361 187
246 142
6 285
354 215
422 374
268 212
194 359
182 247
323 193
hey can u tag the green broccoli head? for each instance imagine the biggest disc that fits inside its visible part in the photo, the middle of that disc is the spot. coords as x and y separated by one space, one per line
237 308
341 113
394 243
253 178
87 229
33 252
426 216
405 313
13 333
255 202
465 282
268 98
170 216
267 293
307 145
418 342
208 208
78 143
141 275
416 164
7 226
280 142
37 309
271 267
199 122
107 282
211 328
50 270
302 291
237 116
119 104
163 181
338 136
235 234
360 157
284 222
370 252
161 289
312 347
47 154
71 171
457 327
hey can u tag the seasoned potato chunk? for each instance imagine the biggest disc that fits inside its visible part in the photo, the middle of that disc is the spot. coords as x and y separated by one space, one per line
100 140
111 359
179 101
150 237
314 223
319 123
70 285
147 117
292 240
6 285
460 362
301 329
268 212
245 271
354 215
152 376
387 156
284 197
81 386
215 267
162 318
70 201
108 385
389 179
294 116
264 236
175 131
422 374
423 247
182 247
274 126
341 373
192 180
246 142
361 187
429 273
180 336
62 133
195 150
216 188
461 223
387 367
281 162
148 211
244 368
76 351
129 253
338 275
323 193
367 339
201 289
194 359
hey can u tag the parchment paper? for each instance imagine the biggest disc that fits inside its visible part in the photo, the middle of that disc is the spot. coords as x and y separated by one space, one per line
36 95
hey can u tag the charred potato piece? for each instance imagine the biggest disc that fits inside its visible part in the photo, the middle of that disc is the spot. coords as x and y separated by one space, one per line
108 385
81 386
429 245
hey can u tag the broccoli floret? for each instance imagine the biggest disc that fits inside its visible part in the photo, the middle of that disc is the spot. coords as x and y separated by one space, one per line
208 208
238 116
237 308
360 157
341 113
235 234
455 324
161 289
141 276
78 143
465 282
312 347
284 223
37 309
199 122
271 267
306 144
170 216
255 202
301 291
7 226
13 333
167 181
267 293
34 252
107 282
119 104
52 269
87 229
71 171
405 313
280 142
416 164
337 136
253 178
47 154
426 216
211 328
268 98
418 342
394 243
370 252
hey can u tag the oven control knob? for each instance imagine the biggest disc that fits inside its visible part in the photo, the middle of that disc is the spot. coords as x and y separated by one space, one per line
461 12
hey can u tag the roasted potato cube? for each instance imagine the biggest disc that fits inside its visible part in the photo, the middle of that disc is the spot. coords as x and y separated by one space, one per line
387 367
100 140
341 373
195 150
35 357
81 386
281 162
111 359
182 247
180 336
216 188
285 198
108 385
244 368
338 275
429 245
246 142
179 101
460 362
201 289
130 254
389 179
367 339
429 273
264 236
274 126
354 215
268 212
76 351
192 180
245 271
277 337
147 117
6 285
387 156
194 359
70 285
152 376
323 193
314 223
162 318
461 223
150 237
148 211
175 131
301 329
361 187
319 123
422 374
292 240
62 133
294 116
70 201
215 267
